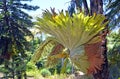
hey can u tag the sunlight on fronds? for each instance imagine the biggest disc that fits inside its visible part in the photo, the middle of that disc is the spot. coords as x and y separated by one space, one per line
28 38
73 33
41 50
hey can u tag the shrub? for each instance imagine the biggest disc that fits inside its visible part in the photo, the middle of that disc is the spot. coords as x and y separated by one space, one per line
45 72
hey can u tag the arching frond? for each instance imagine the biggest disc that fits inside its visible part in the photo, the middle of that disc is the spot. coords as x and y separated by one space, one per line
73 33
95 57
41 51
56 55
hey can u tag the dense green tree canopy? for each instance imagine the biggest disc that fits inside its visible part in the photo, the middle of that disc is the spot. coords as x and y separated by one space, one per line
113 13
14 28
14 23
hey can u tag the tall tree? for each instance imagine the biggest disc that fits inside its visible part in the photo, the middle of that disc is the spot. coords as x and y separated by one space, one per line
14 24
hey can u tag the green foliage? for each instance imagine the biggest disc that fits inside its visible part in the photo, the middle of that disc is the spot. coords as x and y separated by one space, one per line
42 50
62 25
64 66
3 69
14 25
45 72
30 66
14 28
35 44
32 70
14 67
113 13
114 54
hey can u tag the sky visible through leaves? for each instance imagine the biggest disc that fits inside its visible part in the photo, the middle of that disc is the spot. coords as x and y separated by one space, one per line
46 4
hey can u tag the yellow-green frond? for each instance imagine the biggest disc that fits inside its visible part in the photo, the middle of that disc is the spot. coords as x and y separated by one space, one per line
56 55
74 31
79 59
42 49
81 62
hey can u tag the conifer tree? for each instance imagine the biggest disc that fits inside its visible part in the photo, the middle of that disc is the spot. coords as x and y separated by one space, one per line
14 27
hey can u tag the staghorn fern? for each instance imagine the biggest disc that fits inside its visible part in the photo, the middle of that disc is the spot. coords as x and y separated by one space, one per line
74 33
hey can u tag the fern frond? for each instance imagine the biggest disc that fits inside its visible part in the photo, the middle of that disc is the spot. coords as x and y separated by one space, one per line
41 50
73 33
95 57
56 55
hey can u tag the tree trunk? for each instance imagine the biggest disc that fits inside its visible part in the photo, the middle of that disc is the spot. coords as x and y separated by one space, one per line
100 7
96 6
92 7
78 5
103 74
25 75
86 10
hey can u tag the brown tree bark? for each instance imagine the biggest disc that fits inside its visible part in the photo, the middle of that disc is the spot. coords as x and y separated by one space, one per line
86 10
78 5
96 6
103 74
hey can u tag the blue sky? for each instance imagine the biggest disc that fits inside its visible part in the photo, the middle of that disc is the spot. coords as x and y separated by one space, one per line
46 4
